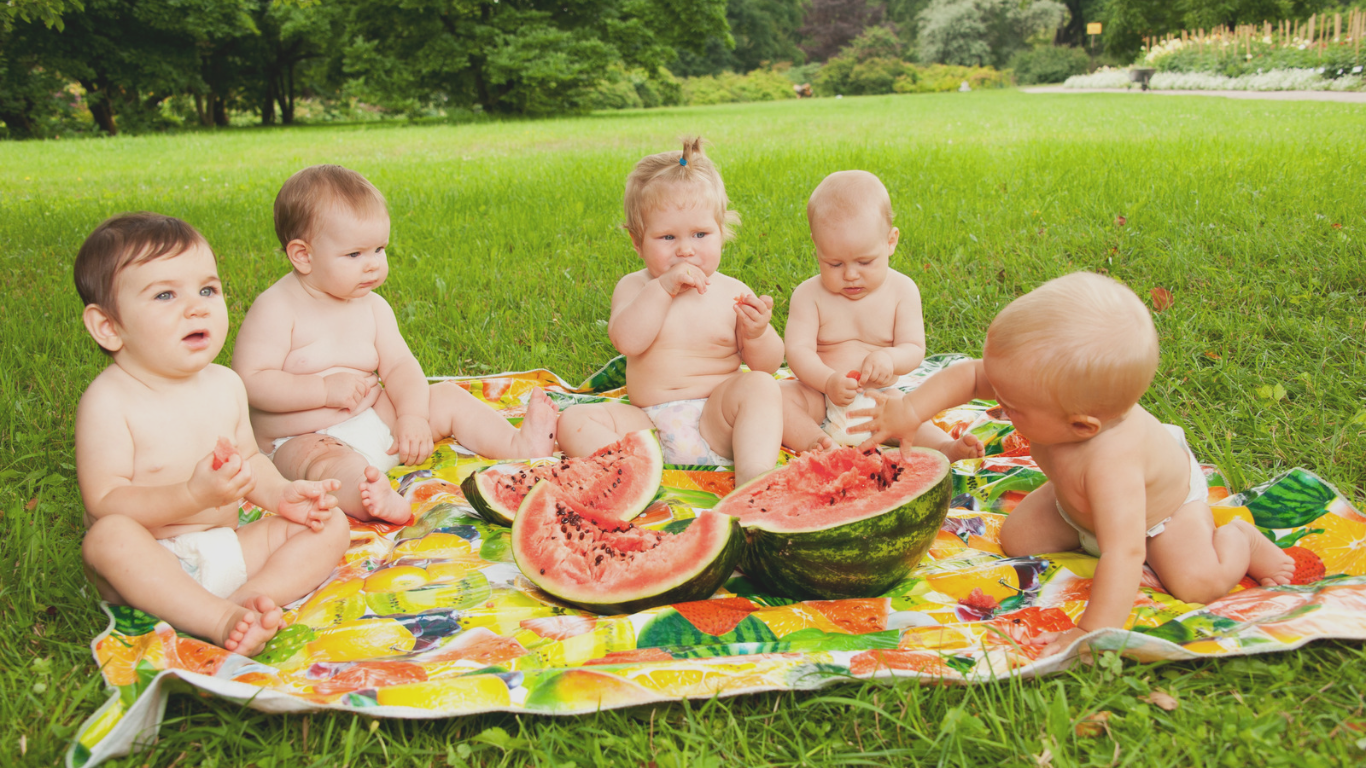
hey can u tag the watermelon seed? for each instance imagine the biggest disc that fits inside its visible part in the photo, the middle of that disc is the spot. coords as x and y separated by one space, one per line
542 571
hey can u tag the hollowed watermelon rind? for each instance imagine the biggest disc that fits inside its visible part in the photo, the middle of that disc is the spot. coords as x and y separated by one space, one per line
707 575
861 558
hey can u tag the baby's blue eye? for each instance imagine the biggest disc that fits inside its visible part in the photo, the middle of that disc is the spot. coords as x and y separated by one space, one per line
353 254
699 235
668 237
208 290
164 296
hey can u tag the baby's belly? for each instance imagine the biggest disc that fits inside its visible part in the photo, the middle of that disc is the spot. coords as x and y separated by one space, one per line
222 517
663 376
270 427
845 356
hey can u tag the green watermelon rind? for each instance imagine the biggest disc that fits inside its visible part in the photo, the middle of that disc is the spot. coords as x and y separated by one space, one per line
483 502
860 558
699 584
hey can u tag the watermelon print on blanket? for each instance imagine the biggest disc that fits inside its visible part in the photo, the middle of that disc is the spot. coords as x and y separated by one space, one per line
435 619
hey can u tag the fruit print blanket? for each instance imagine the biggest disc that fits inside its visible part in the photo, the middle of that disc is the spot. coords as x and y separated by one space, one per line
433 619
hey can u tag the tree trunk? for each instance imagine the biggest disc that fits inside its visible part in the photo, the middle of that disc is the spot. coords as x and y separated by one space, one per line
100 108
287 96
199 110
219 107
20 126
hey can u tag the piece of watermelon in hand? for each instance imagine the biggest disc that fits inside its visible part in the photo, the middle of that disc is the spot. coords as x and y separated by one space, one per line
223 451
855 375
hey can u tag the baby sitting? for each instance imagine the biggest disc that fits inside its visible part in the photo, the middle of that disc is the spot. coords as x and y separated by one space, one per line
1068 363
855 326
165 452
334 390
685 328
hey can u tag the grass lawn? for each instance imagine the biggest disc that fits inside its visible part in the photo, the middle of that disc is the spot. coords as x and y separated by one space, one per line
506 246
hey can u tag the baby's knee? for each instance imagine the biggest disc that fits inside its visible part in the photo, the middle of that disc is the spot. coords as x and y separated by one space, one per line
759 384
336 531
105 535
1198 587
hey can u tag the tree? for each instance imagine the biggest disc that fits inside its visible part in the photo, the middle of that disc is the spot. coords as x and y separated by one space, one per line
832 24
521 56
1127 22
765 31
982 32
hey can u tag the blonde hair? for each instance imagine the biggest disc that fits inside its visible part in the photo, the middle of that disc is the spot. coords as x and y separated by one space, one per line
655 178
1088 340
843 194
305 194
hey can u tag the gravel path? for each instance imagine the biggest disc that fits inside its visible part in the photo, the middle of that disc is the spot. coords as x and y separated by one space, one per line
1354 97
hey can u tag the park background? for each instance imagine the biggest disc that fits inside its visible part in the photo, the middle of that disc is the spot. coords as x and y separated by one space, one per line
1238 222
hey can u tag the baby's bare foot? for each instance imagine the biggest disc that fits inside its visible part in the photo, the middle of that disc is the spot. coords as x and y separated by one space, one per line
537 435
966 447
248 631
1269 565
380 501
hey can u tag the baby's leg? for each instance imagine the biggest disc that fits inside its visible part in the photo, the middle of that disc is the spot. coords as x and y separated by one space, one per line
743 420
803 412
286 560
586 428
1034 527
131 568
965 447
456 413
1199 563
365 492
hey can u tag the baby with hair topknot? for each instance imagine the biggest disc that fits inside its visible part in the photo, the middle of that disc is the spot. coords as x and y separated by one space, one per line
685 328
1068 363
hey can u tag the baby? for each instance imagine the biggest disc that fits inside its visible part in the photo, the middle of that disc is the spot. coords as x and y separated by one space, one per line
858 316
1068 363
165 453
685 328
334 390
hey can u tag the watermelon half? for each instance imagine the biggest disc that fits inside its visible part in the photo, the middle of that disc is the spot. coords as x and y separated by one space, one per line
841 523
585 558
619 481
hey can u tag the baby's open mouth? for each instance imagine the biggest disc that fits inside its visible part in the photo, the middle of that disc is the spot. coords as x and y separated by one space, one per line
197 338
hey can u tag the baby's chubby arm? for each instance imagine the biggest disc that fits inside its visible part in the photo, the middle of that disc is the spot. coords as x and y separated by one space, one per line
1116 493
901 415
258 356
799 339
640 303
882 367
104 469
406 385
759 345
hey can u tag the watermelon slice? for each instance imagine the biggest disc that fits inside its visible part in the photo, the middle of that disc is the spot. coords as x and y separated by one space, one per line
222 451
618 481
841 523
586 558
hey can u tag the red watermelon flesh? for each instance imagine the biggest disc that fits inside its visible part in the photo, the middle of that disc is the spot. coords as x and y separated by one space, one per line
618 480
823 488
586 558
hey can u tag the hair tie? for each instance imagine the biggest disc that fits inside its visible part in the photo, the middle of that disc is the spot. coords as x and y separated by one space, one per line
682 161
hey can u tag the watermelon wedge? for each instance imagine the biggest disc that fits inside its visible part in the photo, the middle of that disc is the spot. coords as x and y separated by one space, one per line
584 557
618 481
841 523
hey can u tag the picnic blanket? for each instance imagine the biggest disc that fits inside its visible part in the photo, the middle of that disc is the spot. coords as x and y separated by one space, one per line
434 619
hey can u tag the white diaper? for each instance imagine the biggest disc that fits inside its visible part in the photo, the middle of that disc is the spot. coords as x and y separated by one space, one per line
678 424
837 424
213 558
365 433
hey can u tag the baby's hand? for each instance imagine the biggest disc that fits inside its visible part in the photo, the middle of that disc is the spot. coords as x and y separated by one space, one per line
842 387
412 440
308 502
877 370
214 487
892 416
348 390
683 276
1054 643
753 314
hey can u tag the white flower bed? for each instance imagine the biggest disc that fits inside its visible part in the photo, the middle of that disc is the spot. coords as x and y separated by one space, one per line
1275 80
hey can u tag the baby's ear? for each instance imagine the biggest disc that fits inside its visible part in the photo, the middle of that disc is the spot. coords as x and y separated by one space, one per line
1084 427
300 256
893 238
102 327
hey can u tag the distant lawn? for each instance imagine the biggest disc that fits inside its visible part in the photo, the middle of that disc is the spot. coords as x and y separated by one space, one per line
505 249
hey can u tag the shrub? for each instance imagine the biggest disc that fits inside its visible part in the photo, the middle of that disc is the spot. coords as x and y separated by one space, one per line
632 89
939 78
845 75
1049 65
729 88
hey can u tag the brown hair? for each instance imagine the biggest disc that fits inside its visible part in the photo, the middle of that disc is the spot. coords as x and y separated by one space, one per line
304 195
123 241
649 183
845 193
1089 342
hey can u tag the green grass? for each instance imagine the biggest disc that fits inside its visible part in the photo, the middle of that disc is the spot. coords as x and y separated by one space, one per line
505 249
